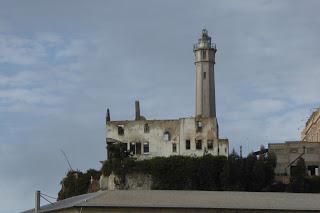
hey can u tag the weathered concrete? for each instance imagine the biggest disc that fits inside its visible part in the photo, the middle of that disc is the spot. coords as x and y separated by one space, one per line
180 131
204 53
187 201
288 152
185 136
311 132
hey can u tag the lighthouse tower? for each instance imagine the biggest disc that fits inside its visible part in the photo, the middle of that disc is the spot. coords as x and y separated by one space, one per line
204 52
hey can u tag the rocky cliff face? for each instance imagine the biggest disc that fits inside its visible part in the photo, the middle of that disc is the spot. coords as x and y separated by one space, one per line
133 181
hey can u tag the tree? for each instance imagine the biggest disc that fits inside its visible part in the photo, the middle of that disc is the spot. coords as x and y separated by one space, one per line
297 180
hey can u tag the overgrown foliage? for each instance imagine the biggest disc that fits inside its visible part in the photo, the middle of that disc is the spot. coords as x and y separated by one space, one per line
251 173
77 183
200 173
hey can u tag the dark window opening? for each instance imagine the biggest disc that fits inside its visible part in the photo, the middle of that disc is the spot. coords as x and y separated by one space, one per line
312 170
166 136
146 147
123 146
138 148
174 147
210 144
199 126
146 128
133 148
120 129
204 54
187 144
204 75
199 144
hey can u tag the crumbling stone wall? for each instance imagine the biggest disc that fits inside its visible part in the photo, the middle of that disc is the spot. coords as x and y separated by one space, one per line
133 181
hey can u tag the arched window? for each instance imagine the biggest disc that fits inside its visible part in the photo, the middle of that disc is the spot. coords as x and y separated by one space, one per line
166 136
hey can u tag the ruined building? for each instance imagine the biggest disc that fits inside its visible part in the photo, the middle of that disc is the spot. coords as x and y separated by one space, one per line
311 132
308 148
193 136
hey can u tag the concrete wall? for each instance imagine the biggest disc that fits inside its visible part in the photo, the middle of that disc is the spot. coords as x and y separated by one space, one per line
311 132
180 131
163 210
290 151
205 85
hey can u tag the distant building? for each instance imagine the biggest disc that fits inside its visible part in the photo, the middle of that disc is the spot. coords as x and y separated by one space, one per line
184 136
289 152
311 132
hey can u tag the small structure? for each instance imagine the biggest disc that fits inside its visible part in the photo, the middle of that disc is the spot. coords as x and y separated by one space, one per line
289 152
184 136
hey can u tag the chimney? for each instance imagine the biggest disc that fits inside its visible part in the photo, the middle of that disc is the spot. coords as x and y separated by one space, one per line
37 201
137 107
108 115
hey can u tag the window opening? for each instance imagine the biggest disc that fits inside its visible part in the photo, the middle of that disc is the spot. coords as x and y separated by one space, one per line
199 126
166 136
187 144
146 128
138 148
146 147
174 147
199 144
120 129
133 148
210 144
204 55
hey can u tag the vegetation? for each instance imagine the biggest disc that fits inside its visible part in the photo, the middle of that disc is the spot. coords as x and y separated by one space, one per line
77 183
198 173
251 173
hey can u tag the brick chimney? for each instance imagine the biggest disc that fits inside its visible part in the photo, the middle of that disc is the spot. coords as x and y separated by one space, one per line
137 108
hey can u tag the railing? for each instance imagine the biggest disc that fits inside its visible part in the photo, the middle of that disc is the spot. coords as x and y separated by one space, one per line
198 46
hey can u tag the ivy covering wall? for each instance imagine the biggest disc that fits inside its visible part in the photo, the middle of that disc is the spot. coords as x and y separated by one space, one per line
251 173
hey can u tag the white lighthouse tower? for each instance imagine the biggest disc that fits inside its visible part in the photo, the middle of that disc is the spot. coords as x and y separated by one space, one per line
204 52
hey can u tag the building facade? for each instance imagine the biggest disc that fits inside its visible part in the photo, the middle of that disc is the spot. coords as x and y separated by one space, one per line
288 153
193 136
311 132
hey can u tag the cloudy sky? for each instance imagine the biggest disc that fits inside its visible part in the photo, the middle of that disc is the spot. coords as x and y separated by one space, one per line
63 62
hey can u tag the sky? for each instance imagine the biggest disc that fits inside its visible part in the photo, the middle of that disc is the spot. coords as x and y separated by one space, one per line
62 63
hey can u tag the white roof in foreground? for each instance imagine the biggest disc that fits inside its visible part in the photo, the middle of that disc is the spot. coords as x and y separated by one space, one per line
190 199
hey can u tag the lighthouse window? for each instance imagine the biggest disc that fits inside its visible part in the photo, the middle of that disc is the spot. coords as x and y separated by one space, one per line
204 55
204 75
